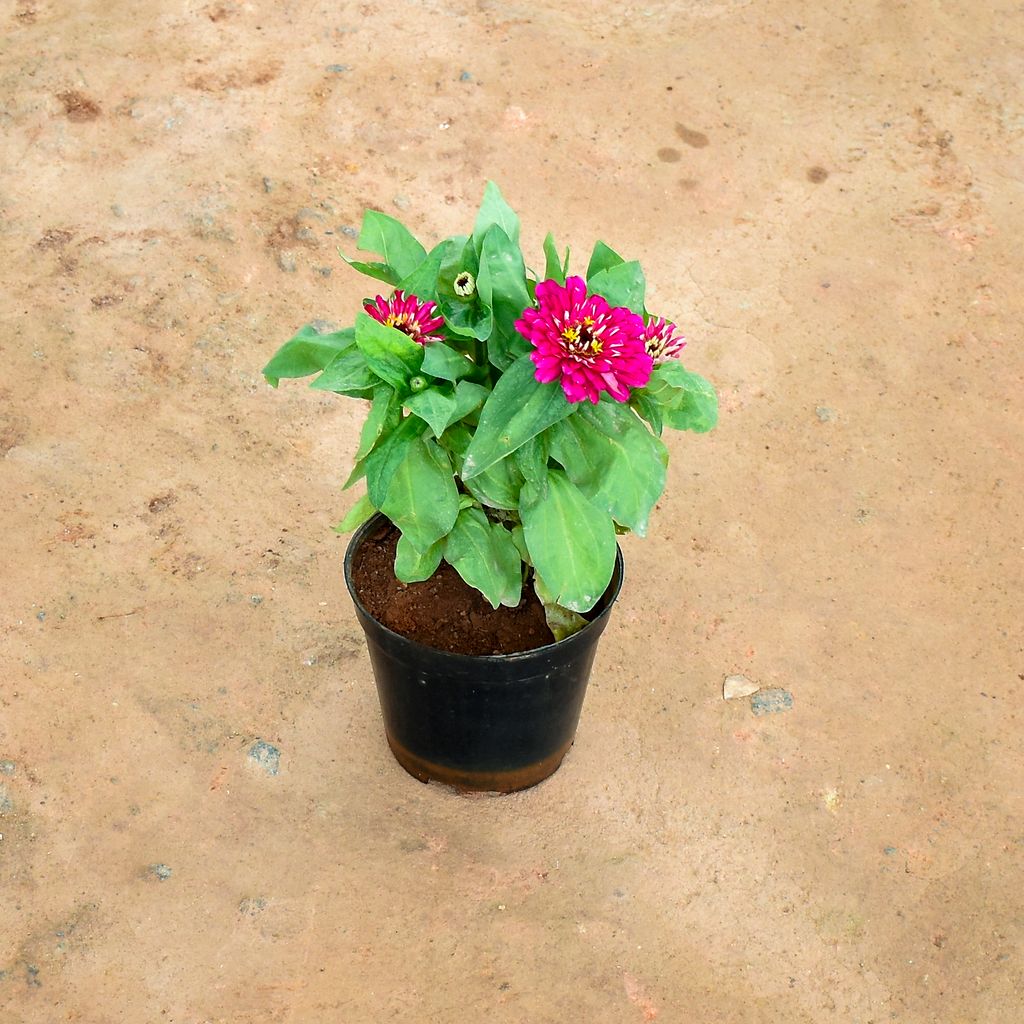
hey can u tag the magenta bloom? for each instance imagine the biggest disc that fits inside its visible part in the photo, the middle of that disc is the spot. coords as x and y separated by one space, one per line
585 343
661 341
407 314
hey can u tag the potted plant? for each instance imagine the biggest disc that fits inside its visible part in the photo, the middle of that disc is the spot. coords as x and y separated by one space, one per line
514 430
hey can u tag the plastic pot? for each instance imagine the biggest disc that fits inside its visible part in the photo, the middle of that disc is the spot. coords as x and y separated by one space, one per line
494 723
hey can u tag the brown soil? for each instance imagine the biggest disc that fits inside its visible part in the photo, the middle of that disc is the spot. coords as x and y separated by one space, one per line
443 612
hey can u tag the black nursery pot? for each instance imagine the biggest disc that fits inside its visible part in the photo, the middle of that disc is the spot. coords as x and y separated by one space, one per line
494 723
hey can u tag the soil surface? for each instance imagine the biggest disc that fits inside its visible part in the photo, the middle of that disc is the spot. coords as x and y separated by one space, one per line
443 612
201 820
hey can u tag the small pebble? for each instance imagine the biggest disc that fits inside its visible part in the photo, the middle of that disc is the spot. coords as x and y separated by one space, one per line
268 184
256 599
348 231
41 616
339 68
7 767
771 702
465 77
6 804
251 906
286 261
324 271
267 756
823 414
738 686
889 851
402 202
162 871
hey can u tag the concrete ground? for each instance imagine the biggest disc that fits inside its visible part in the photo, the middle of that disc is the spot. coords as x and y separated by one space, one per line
200 819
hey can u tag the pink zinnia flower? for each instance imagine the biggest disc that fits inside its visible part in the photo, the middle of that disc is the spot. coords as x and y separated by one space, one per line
587 344
661 341
407 314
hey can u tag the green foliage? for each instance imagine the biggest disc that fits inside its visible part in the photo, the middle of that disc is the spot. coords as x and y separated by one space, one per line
571 542
306 353
441 361
518 408
614 460
348 374
356 515
485 556
602 258
495 211
501 284
401 253
414 566
554 268
421 497
622 285
474 460
390 354
685 400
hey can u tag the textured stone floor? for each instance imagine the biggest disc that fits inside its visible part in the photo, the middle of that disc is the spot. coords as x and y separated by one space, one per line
201 821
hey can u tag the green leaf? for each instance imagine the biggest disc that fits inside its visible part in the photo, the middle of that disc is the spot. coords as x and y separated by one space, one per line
518 408
378 271
468 398
435 405
356 515
601 259
422 500
613 459
348 374
648 408
498 486
389 454
306 353
554 269
485 556
455 441
384 416
561 621
390 353
621 285
385 235
494 210
412 565
465 315
531 460
519 539
441 361
693 403
422 282
501 285
571 542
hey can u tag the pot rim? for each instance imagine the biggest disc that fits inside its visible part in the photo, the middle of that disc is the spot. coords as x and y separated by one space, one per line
609 597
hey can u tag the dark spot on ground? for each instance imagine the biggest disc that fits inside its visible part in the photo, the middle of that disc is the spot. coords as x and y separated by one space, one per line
162 502
55 238
78 106
689 184
236 78
669 155
289 232
218 12
692 137
816 174
104 301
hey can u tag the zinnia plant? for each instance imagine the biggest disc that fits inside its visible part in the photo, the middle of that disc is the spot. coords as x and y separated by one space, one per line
515 419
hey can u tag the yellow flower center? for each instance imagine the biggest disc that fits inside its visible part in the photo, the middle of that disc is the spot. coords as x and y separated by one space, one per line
579 339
